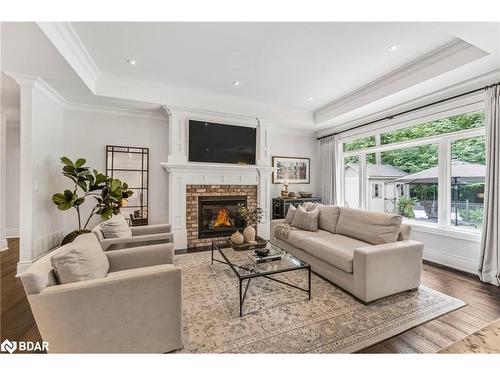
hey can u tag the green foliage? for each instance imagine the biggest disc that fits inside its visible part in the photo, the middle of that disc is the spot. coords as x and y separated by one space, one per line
416 159
109 193
405 206
447 125
471 150
472 216
360 144
251 216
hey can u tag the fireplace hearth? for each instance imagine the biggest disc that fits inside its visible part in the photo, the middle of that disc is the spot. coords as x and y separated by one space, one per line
218 215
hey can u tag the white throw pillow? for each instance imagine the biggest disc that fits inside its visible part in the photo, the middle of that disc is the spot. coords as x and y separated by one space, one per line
292 210
116 227
83 259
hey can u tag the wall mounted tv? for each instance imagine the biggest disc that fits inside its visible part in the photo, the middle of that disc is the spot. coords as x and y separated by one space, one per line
218 143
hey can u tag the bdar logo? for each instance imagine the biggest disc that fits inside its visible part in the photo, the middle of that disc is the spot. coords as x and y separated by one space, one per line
8 346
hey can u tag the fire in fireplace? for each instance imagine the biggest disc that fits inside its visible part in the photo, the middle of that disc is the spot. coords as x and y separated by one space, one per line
222 219
218 216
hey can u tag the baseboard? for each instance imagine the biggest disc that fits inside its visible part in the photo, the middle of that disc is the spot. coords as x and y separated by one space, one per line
9 233
453 261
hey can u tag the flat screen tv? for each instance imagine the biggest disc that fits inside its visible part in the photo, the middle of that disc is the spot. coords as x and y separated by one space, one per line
218 143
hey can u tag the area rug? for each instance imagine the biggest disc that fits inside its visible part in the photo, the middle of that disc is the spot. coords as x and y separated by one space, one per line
280 319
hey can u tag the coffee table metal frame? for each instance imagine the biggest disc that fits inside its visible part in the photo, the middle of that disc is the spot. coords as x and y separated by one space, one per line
241 278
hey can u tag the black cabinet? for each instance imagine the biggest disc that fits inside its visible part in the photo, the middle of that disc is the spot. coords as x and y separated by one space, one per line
280 205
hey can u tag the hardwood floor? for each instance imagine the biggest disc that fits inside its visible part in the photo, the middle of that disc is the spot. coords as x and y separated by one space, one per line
16 322
483 307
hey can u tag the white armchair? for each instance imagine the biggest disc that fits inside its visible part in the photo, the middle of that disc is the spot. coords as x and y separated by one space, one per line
141 236
136 308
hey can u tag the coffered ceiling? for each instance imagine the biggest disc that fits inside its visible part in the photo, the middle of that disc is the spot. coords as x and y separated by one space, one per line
307 75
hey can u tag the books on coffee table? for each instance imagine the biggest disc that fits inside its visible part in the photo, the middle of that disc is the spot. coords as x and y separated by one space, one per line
268 258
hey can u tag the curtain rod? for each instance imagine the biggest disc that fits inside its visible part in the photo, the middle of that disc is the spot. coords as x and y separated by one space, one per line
411 110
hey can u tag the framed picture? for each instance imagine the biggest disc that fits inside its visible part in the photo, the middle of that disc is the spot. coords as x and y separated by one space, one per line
292 169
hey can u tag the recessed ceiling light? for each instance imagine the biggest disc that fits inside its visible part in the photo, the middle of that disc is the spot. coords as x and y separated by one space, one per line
131 62
393 48
236 83
309 98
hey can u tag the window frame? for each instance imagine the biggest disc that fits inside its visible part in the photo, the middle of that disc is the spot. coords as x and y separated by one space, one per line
472 103
376 190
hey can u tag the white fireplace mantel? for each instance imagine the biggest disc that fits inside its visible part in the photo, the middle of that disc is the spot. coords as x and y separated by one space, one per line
182 173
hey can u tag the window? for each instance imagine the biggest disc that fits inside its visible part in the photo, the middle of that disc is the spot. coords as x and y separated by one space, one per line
375 191
359 144
468 168
443 126
400 171
414 178
351 182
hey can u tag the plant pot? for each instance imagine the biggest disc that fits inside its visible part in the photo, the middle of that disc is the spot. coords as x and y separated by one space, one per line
70 237
249 233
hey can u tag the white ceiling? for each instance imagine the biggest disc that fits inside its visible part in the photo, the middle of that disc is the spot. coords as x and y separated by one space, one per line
26 50
278 65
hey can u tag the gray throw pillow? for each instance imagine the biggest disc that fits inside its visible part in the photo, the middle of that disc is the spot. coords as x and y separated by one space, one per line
83 259
116 227
306 220
292 210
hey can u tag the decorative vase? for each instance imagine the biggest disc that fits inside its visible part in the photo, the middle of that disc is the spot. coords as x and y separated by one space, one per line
237 238
70 237
249 233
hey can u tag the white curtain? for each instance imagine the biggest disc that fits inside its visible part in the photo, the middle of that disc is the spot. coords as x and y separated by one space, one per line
327 168
490 242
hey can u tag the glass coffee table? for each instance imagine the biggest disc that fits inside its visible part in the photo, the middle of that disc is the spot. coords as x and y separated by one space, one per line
246 269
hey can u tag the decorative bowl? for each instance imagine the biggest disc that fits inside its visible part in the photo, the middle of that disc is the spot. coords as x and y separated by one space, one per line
305 194
262 252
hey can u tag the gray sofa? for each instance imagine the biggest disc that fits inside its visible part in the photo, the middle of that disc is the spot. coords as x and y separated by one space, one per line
368 254
136 308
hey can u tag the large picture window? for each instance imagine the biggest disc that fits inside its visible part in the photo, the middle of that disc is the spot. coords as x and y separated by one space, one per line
430 172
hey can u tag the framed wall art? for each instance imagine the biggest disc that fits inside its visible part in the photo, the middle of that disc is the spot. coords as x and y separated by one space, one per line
291 170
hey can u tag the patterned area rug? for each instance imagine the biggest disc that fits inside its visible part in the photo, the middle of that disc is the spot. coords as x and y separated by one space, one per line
280 319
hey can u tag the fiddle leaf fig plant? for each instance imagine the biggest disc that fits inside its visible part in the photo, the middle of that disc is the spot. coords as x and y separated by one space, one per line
110 194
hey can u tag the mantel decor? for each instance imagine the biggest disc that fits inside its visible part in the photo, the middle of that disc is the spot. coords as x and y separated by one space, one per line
291 170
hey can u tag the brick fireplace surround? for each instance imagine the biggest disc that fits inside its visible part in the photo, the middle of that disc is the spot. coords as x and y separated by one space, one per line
195 191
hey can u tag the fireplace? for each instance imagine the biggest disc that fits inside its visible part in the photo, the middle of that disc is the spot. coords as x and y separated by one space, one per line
218 216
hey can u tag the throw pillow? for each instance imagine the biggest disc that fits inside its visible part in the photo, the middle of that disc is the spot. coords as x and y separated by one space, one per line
292 210
309 206
116 227
306 220
83 259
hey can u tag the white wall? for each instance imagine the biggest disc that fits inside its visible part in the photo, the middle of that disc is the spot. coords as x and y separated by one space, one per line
12 180
283 144
86 134
456 250
47 145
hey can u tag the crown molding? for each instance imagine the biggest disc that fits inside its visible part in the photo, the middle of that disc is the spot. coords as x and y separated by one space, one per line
48 91
116 111
34 82
446 58
447 92
68 43
202 102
